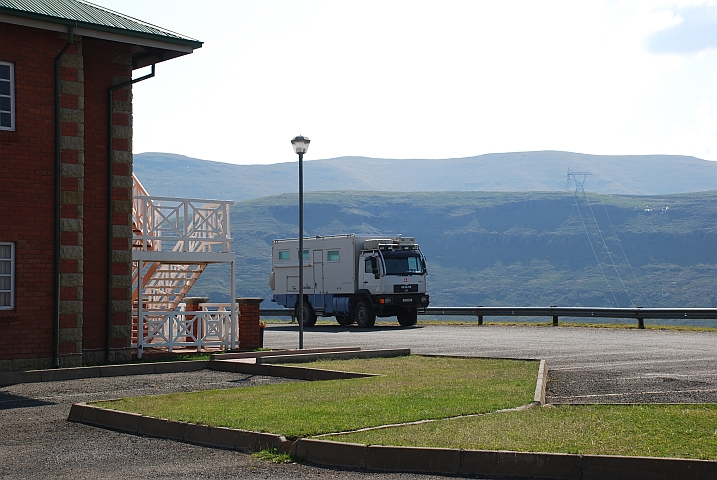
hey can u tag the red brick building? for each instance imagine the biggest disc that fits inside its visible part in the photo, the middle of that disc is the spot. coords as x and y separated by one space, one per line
66 178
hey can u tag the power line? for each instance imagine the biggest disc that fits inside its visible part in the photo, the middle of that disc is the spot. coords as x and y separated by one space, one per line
614 232
588 234
597 225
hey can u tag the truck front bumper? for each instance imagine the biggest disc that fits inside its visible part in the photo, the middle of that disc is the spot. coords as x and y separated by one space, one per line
389 305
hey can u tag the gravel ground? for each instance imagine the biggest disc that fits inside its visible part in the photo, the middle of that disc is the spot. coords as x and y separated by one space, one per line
585 366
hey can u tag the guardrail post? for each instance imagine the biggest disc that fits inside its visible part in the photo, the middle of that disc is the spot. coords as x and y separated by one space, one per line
555 317
640 320
480 319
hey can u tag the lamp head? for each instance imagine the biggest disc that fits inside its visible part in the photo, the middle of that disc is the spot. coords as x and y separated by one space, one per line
300 144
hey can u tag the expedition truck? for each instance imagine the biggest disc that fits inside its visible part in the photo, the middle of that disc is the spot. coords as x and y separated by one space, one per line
354 278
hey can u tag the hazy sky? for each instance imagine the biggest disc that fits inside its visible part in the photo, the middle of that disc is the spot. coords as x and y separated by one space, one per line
430 79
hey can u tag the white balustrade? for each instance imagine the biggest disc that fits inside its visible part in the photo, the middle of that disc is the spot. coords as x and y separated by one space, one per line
179 328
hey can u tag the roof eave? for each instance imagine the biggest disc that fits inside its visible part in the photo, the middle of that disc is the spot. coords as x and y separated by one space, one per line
130 34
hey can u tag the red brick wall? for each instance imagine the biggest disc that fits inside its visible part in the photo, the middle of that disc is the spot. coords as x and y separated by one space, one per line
27 175
100 71
27 188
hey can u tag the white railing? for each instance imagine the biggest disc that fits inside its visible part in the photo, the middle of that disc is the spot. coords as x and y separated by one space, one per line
179 329
174 239
181 225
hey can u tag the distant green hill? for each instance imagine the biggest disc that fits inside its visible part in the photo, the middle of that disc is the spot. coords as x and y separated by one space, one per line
506 249
176 175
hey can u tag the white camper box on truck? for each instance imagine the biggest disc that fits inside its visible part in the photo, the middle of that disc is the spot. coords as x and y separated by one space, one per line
354 278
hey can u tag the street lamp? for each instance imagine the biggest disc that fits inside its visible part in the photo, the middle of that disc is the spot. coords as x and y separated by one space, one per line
301 145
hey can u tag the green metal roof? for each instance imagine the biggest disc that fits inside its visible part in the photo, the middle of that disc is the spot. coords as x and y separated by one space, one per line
81 13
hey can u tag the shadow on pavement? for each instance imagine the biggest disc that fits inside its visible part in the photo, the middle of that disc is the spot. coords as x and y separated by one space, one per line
289 327
9 401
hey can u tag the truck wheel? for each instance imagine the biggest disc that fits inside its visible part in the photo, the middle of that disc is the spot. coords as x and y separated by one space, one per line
407 318
344 319
364 315
309 314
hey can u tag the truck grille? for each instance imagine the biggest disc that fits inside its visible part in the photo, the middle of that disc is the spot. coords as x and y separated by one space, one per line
405 288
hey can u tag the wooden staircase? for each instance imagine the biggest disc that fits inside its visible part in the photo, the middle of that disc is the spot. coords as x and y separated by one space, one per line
173 242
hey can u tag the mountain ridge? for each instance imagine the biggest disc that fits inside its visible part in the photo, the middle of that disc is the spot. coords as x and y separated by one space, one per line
177 175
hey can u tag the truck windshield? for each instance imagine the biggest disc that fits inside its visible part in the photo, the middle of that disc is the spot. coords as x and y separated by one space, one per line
403 262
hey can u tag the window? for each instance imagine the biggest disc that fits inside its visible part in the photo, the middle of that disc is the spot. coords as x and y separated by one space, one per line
332 256
403 263
283 255
371 265
7 276
7 96
306 255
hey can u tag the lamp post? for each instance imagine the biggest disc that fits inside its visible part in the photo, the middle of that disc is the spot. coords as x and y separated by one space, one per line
301 145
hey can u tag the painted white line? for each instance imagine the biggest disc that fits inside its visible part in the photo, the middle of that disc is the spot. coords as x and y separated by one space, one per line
627 394
637 363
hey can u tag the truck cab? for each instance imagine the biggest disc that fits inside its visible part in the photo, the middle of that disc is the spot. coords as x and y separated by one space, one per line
394 279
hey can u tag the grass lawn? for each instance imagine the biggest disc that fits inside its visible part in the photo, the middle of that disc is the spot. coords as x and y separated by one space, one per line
436 388
684 431
411 388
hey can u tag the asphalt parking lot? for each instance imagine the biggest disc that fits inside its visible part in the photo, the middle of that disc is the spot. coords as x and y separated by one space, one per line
586 365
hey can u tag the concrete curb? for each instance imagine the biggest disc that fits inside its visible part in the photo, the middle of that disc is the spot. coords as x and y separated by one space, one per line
216 437
439 461
541 384
333 355
285 371
57 374
266 363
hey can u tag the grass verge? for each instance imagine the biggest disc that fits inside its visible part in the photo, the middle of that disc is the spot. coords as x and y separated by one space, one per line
272 456
543 322
411 388
681 431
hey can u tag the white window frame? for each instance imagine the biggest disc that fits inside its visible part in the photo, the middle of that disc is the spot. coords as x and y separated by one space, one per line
11 306
12 97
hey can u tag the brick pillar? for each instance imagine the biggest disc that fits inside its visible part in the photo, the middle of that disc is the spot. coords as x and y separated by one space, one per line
121 275
72 159
249 323
192 305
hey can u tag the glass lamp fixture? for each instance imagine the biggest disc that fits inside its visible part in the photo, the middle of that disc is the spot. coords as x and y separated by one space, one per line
300 144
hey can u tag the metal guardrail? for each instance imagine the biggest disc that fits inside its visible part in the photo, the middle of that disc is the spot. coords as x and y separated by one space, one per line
639 313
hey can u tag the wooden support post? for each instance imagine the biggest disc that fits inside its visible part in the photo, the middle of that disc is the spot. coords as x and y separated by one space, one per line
555 320
640 323
480 319
192 305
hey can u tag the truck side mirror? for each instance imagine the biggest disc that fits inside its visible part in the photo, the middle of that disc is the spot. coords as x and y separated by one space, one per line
374 268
